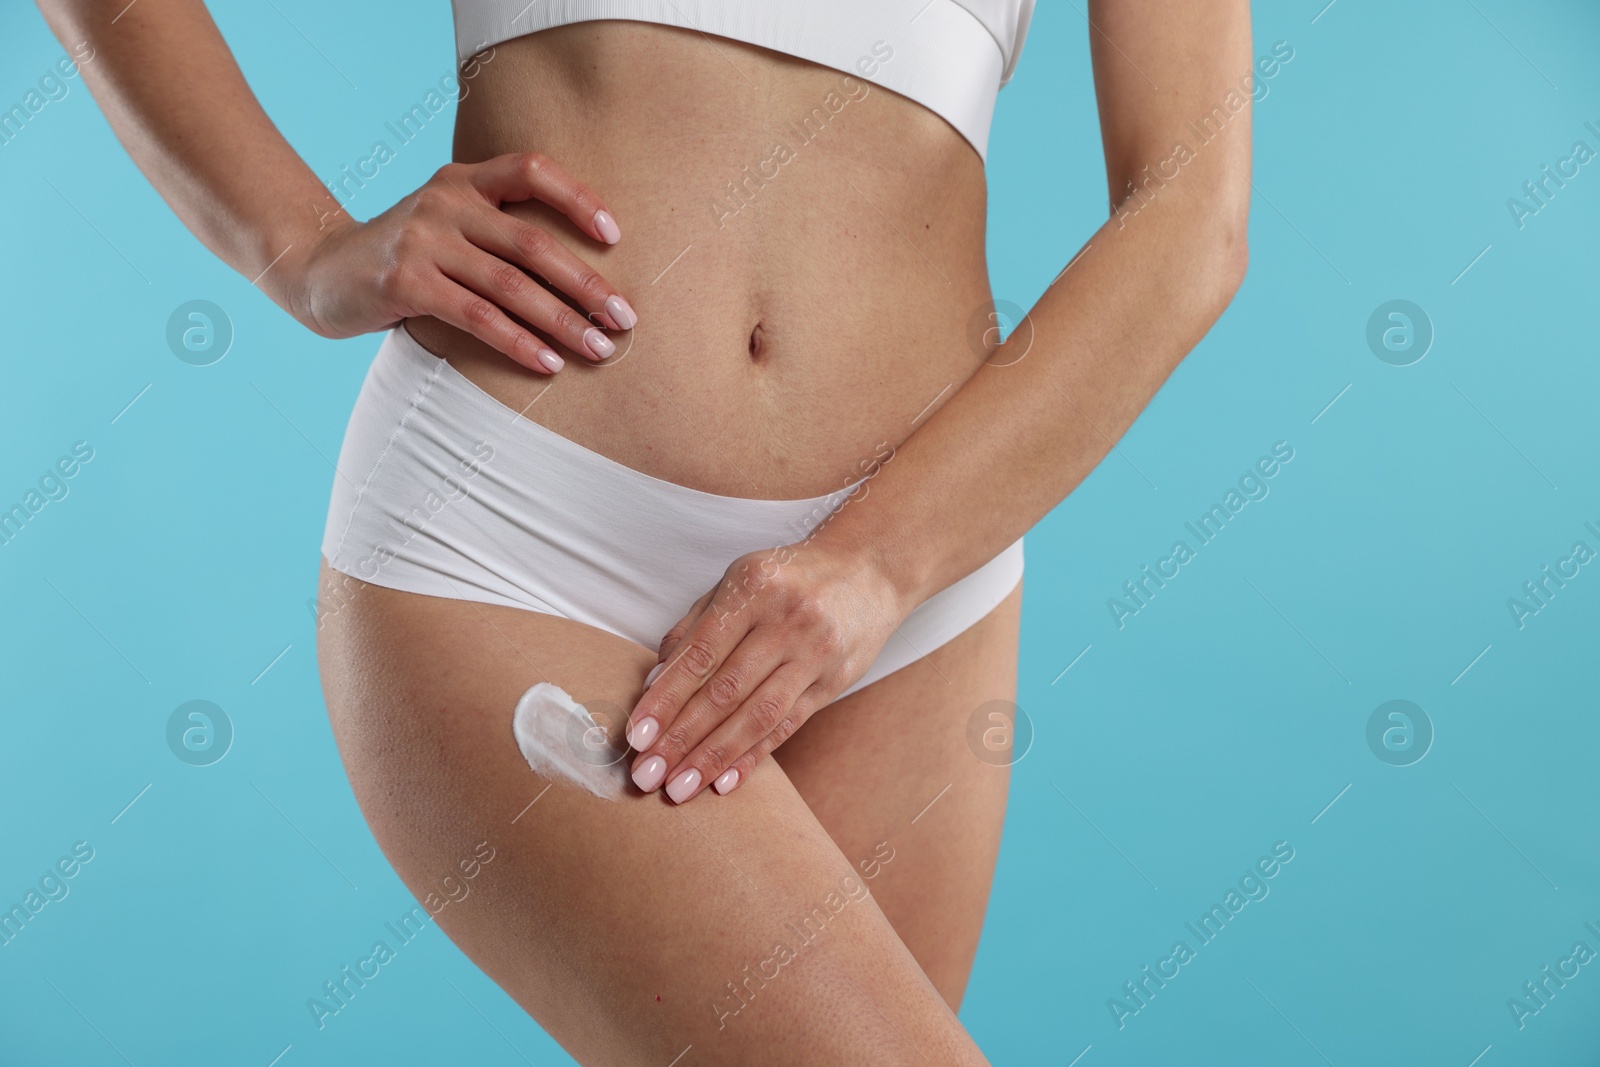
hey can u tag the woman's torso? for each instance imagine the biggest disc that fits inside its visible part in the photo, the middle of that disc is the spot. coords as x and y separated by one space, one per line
804 249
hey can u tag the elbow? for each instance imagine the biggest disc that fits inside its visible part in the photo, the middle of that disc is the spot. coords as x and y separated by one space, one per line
1214 225
1235 261
1229 247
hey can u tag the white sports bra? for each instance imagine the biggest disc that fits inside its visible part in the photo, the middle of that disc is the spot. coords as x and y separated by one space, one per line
952 57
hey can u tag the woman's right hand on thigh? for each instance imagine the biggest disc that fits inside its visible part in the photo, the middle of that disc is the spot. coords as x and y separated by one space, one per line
449 251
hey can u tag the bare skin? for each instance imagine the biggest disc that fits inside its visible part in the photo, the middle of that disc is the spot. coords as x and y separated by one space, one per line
591 908
1020 432
739 351
762 363
783 338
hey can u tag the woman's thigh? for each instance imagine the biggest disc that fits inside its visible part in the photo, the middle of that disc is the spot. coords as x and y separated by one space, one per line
630 929
892 774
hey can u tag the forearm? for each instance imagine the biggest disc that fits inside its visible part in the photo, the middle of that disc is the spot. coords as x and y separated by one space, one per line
1027 427
1030 425
176 99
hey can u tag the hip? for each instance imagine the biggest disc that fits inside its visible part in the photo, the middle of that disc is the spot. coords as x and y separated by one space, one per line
443 491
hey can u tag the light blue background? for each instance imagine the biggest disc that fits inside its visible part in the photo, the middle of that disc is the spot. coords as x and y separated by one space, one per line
1223 718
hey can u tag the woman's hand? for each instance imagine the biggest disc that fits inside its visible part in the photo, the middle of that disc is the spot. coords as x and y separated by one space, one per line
449 251
784 633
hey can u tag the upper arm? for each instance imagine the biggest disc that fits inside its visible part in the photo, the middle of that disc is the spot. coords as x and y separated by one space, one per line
1173 82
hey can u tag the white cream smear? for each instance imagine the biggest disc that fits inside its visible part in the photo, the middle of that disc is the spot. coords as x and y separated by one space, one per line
560 739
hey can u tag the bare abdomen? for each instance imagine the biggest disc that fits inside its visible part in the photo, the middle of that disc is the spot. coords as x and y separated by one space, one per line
804 250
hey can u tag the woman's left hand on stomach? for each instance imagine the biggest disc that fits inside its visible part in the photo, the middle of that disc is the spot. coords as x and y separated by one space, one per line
781 635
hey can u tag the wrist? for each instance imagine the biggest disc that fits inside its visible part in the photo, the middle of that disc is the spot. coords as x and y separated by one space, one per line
289 281
885 555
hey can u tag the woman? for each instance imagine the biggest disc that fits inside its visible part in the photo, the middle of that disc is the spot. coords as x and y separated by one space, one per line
701 311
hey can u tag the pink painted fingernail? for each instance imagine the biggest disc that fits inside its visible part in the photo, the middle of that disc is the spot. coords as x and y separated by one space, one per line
726 781
550 360
655 672
641 733
650 773
621 313
607 227
683 785
598 343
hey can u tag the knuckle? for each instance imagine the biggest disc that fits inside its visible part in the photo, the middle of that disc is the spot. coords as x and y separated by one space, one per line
508 279
589 284
525 347
410 242
433 197
725 689
784 729
829 640
397 279
713 757
565 321
698 657
767 713
535 243
836 680
677 738
723 609
533 164
813 616
785 593
479 312
807 605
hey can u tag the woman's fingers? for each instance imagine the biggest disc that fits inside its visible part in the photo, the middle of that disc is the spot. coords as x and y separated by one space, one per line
507 286
658 706
765 720
430 292
743 669
508 243
363 276
712 672
522 243
532 176
675 636
812 698
643 728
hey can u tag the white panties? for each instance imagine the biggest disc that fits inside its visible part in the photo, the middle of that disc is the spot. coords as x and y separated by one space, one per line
443 490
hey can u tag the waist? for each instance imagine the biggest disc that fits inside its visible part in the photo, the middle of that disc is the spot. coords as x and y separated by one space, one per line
805 251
